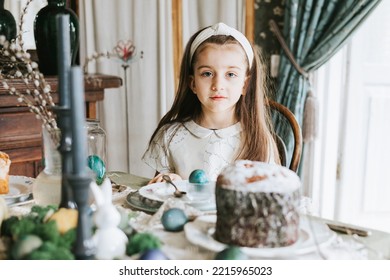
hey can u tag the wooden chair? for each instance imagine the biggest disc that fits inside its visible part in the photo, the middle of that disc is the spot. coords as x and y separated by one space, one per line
296 130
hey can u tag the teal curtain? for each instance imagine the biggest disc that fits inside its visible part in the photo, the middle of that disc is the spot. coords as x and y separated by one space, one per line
314 30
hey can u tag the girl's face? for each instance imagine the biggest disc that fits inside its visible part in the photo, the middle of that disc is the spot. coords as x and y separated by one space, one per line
219 78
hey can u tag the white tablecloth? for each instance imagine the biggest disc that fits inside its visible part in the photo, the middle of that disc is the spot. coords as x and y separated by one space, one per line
177 246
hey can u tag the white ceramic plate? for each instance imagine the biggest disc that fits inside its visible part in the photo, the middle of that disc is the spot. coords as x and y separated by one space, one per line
20 189
162 191
200 232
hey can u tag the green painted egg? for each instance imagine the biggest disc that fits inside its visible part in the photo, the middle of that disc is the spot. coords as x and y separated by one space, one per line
98 167
174 219
198 176
231 253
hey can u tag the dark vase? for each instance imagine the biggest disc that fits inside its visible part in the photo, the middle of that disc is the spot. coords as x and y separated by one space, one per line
46 34
7 23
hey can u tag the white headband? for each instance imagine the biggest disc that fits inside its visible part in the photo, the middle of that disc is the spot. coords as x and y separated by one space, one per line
223 29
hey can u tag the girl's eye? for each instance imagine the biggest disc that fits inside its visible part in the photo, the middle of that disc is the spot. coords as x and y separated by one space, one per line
231 75
206 74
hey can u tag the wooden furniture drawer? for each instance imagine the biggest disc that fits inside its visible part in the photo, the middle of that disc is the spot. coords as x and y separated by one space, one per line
18 126
26 161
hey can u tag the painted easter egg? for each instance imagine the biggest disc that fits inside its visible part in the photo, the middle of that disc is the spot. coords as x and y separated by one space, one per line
231 253
153 254
174 219
198 176
98 167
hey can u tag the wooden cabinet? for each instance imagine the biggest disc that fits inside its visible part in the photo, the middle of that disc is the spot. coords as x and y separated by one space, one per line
20 131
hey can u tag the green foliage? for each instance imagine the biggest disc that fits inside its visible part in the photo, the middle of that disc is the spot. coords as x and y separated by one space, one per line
8 225
38 213
140 242
50 251
20 227
67 239
54 247
48 231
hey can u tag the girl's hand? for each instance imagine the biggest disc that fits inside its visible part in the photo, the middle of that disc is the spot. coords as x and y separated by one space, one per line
158 178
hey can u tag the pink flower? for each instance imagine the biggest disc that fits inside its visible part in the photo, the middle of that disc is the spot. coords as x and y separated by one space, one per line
125 50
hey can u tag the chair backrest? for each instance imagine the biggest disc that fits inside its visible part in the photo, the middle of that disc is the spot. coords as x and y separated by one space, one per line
296 130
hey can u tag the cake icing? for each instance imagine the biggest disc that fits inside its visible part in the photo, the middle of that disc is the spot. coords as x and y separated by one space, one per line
250 176
257 205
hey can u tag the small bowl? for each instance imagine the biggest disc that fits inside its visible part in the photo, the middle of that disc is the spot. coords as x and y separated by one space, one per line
200 192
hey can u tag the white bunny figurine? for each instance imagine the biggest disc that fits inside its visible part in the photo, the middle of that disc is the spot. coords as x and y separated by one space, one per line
110 241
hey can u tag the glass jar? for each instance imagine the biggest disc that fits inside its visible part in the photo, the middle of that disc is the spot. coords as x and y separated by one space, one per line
96 149
47 186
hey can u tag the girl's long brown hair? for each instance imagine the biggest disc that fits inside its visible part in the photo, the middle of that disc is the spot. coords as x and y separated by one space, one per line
251 111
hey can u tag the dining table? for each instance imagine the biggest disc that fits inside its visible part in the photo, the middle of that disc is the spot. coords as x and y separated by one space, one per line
319 238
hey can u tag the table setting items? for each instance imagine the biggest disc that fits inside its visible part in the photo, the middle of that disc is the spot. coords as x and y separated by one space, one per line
196 192
177 192
314 239
20 191
154 195
46 187
48 184
199 188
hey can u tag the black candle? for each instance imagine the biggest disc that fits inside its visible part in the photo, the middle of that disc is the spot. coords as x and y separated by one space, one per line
79 135
64 60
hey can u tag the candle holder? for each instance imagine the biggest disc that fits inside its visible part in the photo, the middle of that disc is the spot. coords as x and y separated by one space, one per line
63 109
65 148
84 248
79 179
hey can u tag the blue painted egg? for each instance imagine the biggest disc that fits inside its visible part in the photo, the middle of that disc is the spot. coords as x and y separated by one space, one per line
153 254
231 253
198 176
174 219
98 167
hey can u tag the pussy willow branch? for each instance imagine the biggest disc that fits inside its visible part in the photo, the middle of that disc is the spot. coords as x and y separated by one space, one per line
21 22
37 95
94 57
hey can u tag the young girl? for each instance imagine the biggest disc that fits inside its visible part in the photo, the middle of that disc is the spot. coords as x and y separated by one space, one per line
219 113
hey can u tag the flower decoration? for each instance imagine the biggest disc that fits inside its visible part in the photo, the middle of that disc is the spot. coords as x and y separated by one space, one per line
125 51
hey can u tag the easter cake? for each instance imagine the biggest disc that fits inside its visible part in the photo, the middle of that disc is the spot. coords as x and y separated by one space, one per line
5 164
257 205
